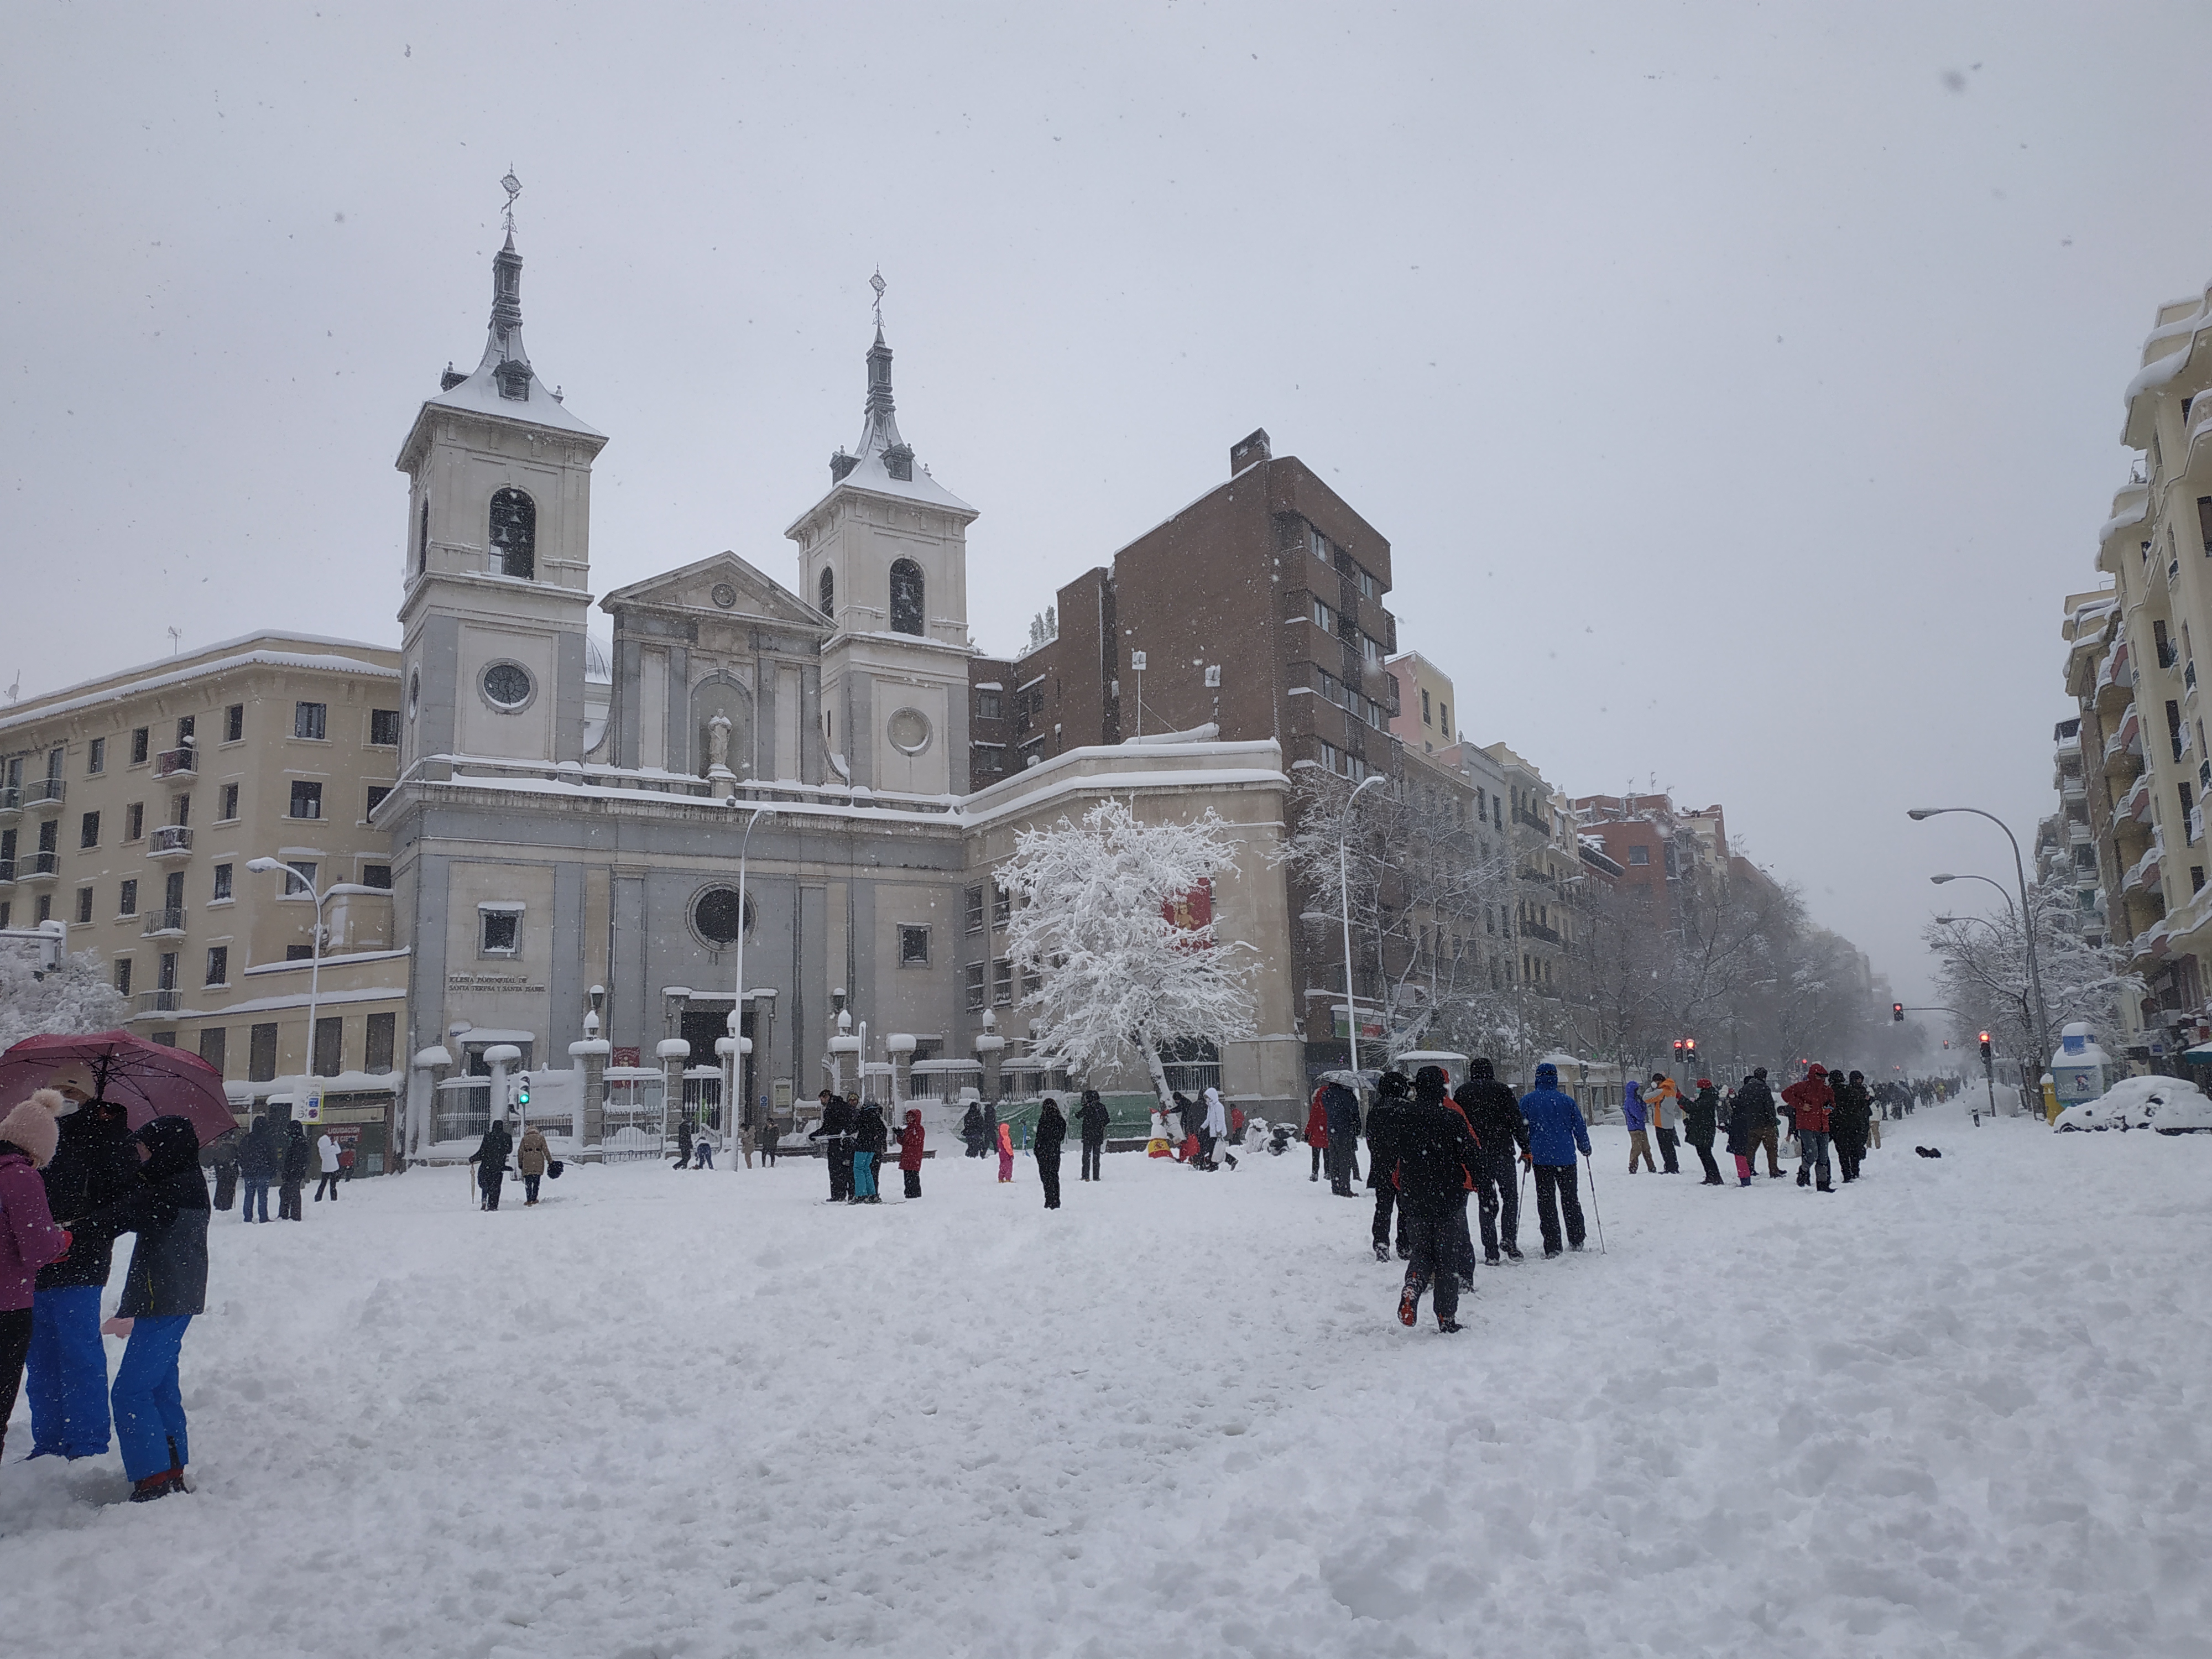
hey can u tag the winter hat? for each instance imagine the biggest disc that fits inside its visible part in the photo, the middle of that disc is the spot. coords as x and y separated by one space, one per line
1858 1077
1705 1083
1428 1085
31 1126
1478 1070
1818 1070
1547 1076
1758 1070
171 1144
74 1074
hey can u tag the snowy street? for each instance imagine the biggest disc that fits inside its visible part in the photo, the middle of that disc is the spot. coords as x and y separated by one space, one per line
1958 1408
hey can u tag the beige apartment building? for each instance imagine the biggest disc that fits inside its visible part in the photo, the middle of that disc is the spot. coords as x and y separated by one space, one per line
131 805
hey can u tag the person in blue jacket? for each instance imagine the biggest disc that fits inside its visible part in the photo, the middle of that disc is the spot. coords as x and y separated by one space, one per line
1556 1132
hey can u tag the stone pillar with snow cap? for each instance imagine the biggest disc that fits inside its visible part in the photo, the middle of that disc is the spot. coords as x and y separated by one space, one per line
843 1044
422 1081
671 1053
499 1057
591 1057
900 1045
991 1050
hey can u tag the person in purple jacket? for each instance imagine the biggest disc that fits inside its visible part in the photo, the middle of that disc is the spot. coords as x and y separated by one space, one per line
1638 1116
28 1237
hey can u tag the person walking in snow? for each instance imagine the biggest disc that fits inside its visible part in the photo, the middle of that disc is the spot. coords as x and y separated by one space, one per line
91 1165
164 1289
1638 1116
1851 1120
222 1158
326 1154
294 1174
1006 1152
490 1159
1392 1091
1093 1120
971 1129
682 1143
1432 1159
259 1159
1661 1099
30 1241
1190 1118
1216 1129
910 1150
870 1136
1317 1133
1752 1125
836 1129
1500 1133
1810 1102
1556 1132
1341 1135
1051 1131
768 1138
531 1155
1700 1123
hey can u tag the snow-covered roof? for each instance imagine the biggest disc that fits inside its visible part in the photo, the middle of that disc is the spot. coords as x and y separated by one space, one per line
113 688
871 469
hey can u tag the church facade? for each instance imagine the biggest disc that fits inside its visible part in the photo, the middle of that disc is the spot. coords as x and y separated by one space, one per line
568 834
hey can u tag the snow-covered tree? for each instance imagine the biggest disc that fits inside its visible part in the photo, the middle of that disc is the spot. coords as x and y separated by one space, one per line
70 998
1091 924
1982 971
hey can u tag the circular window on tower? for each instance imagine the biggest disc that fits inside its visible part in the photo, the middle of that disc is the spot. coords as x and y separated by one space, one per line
507 686
718 917
908 731
414 693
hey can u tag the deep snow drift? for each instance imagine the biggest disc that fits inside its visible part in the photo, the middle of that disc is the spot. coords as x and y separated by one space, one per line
1959 1408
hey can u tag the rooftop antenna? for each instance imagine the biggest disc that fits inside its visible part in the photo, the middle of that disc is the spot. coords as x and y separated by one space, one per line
15 689
176 639
512 187
878 283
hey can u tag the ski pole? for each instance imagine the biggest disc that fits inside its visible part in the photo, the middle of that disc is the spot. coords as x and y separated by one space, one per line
1594 1216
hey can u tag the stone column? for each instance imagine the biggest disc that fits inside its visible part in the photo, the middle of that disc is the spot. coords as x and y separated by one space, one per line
991 1049
900 1046
671 1053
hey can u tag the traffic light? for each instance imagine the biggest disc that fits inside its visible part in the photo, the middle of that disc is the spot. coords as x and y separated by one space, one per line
522 1088
1897 1012
1690 1044
1985 1045
1678 1051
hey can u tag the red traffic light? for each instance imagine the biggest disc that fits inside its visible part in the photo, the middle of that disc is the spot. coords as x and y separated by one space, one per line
1897 1011
1691 1044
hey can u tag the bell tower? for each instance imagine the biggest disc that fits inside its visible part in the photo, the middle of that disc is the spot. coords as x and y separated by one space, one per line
498 559
884 554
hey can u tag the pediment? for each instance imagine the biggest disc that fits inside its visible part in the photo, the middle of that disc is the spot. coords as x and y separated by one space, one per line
722 585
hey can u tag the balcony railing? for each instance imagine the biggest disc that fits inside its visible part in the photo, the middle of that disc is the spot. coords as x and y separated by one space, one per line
38 866
170 838
11 798
1537 930
2188 675
170 762
1522 815
44 793
168 920
7 873
161 1002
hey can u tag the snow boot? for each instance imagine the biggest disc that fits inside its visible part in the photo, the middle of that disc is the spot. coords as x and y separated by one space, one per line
1551 1250
1490 1260
155 1485
1824 1187
1743 1180
1466 1283
1409 1306
1448 1327
1513 1252
1804 1178
1381 1252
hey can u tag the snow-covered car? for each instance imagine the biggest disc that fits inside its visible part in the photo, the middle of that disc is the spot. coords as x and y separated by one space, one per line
2191 1115
2092 1115
2166 1103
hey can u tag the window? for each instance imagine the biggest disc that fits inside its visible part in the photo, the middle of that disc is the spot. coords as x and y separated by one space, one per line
45 907
1426 720
127 899
233 723
299 878
221 881
1002 906
226 800
376 875
913 947
514 533
211 1046
377 795
87 830
378 1041
1002 981
422 536
309 720
1370 652
502 928
180 810
972 975
1032 982
261 1054
986 705
1444 718
906 596
299 952
1366 585
84 904
307 798
166 977
827 590
123 976
716 918
95 755
329 1046
139 746
1323 616
218 964
1639 855
1317 544
972 899
383 727
507 685
188 727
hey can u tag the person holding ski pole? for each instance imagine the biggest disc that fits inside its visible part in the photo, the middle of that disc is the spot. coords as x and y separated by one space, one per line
1556 1132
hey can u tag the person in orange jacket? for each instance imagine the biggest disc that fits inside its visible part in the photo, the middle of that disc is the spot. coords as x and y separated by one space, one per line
1664 1100
1006 1153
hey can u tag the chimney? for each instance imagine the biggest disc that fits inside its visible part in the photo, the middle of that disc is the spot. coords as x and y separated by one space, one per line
1246 451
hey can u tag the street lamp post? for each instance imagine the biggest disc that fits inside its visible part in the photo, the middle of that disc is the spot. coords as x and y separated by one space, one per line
1991 880
2027 919
1344 894
731 1095
321 896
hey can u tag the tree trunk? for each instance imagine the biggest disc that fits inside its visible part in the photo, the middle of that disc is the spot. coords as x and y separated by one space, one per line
1152 1064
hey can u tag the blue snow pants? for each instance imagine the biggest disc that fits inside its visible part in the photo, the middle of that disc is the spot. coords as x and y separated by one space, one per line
149 1410
864 1174
68 1374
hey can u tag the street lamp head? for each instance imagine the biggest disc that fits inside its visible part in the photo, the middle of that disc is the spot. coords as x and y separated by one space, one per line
263 866
1940 880
1916 813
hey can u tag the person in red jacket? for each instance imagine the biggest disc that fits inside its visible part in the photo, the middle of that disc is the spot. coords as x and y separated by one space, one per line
1317 1129
909 1140
1812 1099
28 1237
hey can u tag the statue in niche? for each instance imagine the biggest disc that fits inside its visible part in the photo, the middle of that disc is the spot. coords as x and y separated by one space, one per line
717 747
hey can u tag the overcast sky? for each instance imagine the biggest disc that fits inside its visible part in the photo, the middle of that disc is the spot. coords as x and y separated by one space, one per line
1738 386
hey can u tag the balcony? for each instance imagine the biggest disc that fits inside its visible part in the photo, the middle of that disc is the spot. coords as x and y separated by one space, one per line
2143 874
1537 930
171 841
38 866
46 792
161 1002
11 800
164 923
1542 826
2189 676
2134 804
173 763
2124 749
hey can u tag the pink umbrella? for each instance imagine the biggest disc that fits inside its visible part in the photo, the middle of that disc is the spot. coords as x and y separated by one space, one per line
147 1080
